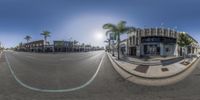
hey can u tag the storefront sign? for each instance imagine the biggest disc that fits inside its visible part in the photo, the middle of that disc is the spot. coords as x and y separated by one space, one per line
158 40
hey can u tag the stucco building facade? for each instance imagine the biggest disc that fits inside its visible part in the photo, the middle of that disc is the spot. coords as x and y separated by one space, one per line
156 42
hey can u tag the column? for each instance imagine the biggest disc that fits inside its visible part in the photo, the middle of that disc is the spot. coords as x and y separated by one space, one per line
138 50
161 49
176 50
141 49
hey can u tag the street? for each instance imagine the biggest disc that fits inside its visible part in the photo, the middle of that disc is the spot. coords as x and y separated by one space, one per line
84 73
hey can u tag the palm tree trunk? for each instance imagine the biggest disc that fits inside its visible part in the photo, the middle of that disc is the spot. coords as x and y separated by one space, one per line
118 47
113 50
28 47
73 47
109 45
44 44
184 54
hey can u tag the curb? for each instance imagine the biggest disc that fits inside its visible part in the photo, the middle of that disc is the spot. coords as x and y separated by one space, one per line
152 82
150 64
137 63
152 77
1 54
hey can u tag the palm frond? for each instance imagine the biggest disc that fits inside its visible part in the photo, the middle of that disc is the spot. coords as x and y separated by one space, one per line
27 37
46 33
108 32
121 26
122 23
109 26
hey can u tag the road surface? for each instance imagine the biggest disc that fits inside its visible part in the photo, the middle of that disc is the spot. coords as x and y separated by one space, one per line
67 71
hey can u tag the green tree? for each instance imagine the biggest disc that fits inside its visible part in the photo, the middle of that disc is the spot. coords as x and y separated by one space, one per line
108 41
117 30
184 41
27 38
45 34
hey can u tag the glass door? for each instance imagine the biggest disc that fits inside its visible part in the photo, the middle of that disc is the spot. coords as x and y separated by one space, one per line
152 49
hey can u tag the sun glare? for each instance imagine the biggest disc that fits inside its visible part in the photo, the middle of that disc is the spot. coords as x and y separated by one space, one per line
99 35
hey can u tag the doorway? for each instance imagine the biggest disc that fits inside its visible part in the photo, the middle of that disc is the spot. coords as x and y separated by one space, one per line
151 49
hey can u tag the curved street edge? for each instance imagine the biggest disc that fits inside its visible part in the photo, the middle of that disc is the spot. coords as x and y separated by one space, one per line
153 81
58 90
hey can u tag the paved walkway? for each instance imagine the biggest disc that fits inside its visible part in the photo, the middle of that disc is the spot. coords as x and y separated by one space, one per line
153 71
164 62
150 60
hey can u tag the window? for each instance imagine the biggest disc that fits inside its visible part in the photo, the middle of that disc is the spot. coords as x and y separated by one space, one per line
130 39
133 40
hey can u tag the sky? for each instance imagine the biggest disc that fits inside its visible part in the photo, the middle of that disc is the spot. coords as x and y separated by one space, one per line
82 20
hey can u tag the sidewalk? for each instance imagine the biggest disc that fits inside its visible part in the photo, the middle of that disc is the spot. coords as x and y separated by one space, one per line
150 60
138 61
155 71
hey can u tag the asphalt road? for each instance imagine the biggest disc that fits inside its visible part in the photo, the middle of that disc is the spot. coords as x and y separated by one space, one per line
65 71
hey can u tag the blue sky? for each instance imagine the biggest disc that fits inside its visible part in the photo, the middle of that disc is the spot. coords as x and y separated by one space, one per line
81 19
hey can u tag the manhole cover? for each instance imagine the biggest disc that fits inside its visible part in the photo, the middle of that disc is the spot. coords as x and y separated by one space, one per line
185 63
165 69
142 68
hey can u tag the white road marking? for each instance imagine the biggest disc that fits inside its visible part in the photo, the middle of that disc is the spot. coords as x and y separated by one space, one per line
58 90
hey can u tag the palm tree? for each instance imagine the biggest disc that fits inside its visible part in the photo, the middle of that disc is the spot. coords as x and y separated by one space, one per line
45 34
184 41
28 38
108 41
110 38
117 30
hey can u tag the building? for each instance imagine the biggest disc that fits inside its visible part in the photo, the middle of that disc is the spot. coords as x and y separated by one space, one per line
156 42
35 46
71 46
57 46
123 46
